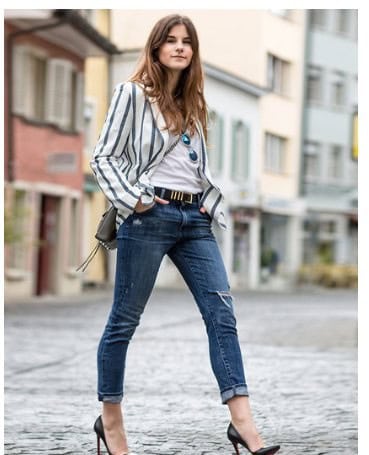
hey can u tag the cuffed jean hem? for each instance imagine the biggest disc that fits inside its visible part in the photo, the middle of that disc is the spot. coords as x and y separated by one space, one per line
236 390
110 398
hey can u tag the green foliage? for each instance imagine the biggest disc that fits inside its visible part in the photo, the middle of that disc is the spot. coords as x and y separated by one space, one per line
14 220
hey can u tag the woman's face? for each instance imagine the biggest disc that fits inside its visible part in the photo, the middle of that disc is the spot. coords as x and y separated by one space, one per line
176 52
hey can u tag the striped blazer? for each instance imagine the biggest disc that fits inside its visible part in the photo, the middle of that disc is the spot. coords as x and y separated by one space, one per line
131 144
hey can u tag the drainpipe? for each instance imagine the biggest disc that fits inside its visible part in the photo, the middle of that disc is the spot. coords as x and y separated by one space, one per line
9 45
303 130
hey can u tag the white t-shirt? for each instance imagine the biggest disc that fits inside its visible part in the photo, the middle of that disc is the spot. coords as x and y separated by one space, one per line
177 171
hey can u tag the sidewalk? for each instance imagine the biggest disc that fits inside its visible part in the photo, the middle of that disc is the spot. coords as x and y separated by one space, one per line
299 351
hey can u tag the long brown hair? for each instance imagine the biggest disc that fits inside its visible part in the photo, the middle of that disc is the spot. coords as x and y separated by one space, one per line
188 103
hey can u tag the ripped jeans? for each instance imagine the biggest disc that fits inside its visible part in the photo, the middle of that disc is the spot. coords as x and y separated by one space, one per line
182 232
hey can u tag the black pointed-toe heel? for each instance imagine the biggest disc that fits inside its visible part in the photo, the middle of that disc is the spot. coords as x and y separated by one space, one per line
236 439
99 430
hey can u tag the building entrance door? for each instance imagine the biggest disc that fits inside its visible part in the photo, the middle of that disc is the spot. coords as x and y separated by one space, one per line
46 273
241 253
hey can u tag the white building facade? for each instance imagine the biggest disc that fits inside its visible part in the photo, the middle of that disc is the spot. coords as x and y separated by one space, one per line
260 179
234 128
329 170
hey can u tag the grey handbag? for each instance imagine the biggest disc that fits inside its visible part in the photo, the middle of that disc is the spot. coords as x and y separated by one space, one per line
106 232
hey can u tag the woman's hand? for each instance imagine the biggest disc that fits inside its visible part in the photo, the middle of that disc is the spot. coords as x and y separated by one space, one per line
140 207
202 210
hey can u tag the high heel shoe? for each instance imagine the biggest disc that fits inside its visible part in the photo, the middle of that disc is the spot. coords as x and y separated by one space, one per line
236 439
99 430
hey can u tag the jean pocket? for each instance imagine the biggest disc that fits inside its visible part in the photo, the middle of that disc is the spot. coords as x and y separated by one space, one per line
148 210
206 215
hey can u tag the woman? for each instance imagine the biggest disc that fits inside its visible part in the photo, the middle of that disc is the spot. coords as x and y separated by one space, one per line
151 163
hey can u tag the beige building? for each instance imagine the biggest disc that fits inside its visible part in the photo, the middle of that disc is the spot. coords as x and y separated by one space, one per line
266 48
96 103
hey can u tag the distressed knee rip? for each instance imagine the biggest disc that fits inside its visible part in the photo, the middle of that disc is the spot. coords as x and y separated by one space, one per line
226 298
224 311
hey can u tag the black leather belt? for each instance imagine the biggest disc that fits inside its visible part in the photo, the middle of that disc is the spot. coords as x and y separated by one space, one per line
173 195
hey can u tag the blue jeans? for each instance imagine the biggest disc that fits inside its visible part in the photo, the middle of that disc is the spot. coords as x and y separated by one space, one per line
182 232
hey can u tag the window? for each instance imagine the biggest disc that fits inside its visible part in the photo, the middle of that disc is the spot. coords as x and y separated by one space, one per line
311 160
275 150
38 71
278 74
353 173
240 151
338 89
335 162
29 78
354 92
215 142
314 84
327 227
343 17
318 18
47 90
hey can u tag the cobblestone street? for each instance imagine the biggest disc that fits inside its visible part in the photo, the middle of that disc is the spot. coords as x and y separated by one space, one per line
299 349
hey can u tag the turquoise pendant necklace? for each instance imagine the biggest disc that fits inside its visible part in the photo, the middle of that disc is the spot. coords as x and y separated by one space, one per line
191 152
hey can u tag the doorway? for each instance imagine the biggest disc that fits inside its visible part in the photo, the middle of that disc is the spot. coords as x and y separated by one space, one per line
47 251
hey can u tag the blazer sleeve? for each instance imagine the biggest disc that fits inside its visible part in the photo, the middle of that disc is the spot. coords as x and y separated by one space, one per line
108 158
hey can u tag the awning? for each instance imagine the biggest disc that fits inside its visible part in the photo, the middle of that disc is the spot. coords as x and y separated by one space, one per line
67 29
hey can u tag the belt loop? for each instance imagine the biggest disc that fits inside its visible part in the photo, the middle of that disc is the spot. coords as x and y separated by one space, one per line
162 191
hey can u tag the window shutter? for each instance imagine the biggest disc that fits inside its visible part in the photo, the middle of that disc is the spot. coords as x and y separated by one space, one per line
79 102
234 149
19 79
58 92
246 139
220 149
67 91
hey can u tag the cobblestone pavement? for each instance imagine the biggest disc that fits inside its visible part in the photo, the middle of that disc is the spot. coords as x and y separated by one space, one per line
300 352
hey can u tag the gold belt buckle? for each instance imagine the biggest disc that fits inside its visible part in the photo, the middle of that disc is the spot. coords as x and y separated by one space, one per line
189 201
176 195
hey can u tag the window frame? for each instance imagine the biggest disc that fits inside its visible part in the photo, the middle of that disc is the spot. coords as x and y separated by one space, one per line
240 143
321 25
315 72
339 14
312 148
281 157
338 78
330 166
278 75
24 92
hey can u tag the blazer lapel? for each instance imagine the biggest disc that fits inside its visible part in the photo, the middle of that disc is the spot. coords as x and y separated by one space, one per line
159 121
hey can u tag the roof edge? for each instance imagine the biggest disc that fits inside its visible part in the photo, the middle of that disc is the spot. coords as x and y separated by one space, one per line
84 27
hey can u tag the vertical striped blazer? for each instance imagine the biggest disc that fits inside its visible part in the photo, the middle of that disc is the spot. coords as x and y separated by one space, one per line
131 144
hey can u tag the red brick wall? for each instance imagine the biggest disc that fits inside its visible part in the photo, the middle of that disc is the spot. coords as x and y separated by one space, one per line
32 146
33 143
